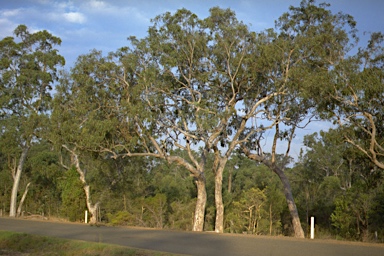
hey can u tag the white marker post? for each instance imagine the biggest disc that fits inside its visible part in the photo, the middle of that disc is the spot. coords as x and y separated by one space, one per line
86 216
312 227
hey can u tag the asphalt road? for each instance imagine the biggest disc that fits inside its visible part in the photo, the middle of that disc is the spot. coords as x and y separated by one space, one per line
193 243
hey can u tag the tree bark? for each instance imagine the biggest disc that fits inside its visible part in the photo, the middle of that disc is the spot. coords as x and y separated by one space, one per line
197 171
16 182
219 222
92 208
230 181
22 199
198 222
299 232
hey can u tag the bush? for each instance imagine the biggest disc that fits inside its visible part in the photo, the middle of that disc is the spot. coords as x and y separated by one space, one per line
72 196
121 218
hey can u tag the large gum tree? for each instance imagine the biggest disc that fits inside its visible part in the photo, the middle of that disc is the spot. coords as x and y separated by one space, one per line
167 70
193 74
354 101
28 71
305 46
85 113
214 84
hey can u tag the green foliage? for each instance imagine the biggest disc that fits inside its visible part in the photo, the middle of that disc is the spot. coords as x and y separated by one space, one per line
343 220
121 218
147 212
274 207
354 100
172 180
27 72
259 185
247 212
43 170
6 184
72 196
354 211
181 215
155 209
376 221
339 189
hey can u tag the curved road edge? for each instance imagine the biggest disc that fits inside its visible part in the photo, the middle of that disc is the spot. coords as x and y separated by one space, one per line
192 243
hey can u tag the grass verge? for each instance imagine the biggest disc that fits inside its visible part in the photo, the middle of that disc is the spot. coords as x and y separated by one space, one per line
21 244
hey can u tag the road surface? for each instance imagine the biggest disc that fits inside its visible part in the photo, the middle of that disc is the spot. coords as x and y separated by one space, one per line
193 243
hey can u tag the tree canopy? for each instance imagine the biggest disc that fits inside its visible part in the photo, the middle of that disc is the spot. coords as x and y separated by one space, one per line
28 71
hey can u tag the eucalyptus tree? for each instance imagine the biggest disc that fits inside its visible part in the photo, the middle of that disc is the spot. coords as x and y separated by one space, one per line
355 99
167 68
44 172
346 162
324 181
235 77
194 73
307 42
85 113
207 80
28 71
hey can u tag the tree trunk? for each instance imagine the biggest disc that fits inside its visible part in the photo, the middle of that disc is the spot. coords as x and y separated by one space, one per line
230 181
198 222
22 199
16 182
299 232
92 208
219 222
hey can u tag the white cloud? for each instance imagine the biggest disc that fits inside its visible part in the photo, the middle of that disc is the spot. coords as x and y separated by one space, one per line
6 28
95 4
10 13
63 5
74 17
43 1
115 10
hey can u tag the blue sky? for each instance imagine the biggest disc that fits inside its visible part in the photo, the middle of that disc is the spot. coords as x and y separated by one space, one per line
104 25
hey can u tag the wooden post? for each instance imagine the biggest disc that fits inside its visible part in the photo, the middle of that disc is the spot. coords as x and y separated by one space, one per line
86 217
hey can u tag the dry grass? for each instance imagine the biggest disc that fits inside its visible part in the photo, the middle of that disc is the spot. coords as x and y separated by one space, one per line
20 244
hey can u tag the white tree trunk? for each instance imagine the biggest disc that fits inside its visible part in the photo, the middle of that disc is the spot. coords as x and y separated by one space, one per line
22 199
198 222
92 208
198 174
219 222
16 182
